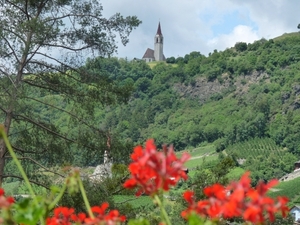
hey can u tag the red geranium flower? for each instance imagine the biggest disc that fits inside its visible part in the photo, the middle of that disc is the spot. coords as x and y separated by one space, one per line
101 217
62 216
66 216
238 199
5 202
152 170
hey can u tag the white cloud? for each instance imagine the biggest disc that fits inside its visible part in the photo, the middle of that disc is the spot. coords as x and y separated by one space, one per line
273 17
189 25
240 33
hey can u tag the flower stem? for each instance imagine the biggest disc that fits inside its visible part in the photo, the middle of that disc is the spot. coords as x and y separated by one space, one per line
20 168
17 162
162 210
58 197
85 199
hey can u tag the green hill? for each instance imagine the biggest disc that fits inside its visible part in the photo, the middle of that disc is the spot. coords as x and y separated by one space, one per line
244 95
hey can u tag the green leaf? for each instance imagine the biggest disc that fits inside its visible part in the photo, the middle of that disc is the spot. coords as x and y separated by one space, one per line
194 219
140 221
55 189
28 212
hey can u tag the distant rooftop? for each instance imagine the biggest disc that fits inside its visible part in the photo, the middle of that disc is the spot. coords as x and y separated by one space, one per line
149 53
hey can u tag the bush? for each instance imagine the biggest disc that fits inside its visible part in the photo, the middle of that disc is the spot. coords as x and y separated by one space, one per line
240 46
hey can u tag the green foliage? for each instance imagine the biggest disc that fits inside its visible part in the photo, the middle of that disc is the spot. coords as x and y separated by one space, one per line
206 176
260 155
254 99
193 163
135 202
240 46
27 212
96 194
49 104
255 148
281 221
170 60
235 174
287 188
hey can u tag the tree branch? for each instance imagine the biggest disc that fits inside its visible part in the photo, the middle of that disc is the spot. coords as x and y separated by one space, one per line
45 128
12 49
5 88
21 178
26 151
73 15
50 66
11 3
49 88
49 130
2 109
68 48
14 33
26 11
65 111
60 71
40 165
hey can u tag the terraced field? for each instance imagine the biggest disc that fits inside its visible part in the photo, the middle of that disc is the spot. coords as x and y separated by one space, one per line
255 147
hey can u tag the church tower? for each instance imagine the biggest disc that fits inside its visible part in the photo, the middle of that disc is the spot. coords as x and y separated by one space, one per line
158 45
157 54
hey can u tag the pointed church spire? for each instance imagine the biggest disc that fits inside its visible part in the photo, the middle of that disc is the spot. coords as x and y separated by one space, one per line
158 30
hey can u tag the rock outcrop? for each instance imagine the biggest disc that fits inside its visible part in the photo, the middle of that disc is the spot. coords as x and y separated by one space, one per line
202 89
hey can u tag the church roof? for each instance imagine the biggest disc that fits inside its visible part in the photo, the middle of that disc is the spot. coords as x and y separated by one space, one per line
149 53
159 30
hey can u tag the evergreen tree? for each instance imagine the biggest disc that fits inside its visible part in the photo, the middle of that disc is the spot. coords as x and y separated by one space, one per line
43 47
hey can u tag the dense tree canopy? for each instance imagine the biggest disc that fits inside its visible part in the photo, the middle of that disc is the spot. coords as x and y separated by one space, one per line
43 48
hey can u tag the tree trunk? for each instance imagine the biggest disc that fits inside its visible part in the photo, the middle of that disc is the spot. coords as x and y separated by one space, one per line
14 97
2 160
3 149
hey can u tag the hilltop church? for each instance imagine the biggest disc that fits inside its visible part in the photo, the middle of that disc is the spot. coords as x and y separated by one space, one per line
156 54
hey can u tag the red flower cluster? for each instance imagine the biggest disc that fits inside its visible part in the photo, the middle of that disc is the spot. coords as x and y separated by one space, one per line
5 202
152 170
66 216
238 199
5 205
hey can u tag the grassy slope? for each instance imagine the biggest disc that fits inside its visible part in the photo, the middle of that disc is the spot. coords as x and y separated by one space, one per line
136 202
199 155
289 189
154 63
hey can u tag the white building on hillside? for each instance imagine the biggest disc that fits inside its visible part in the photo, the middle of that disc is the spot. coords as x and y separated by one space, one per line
157 54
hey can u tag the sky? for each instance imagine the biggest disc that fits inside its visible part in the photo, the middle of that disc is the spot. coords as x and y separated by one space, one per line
203 25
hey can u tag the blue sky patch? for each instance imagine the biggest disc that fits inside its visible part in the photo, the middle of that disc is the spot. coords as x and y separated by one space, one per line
231 20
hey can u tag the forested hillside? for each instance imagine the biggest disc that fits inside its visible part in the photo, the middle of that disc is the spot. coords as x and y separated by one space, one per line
242 95
242 102
245 92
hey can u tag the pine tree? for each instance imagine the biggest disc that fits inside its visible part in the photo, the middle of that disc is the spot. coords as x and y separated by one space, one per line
43 48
